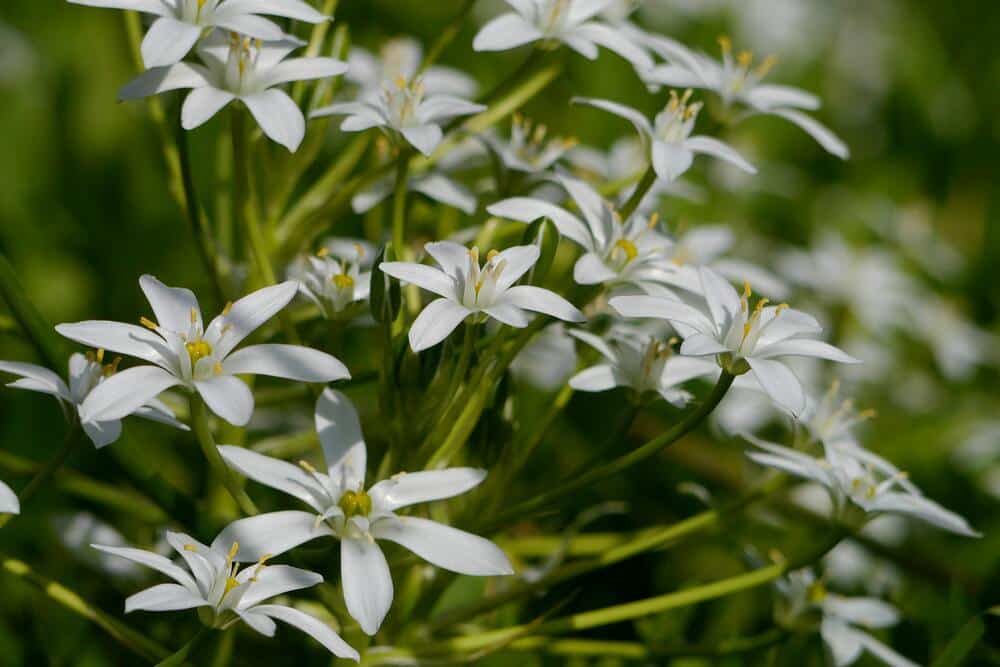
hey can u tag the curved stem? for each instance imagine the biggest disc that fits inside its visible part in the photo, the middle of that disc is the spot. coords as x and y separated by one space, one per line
641 190
181 655
202 432
654 446
73 438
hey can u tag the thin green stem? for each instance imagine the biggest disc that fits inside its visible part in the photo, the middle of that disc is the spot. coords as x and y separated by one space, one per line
446 36
651 448
244 207
460 370
73 438
399 205
181 655
203 433
641 190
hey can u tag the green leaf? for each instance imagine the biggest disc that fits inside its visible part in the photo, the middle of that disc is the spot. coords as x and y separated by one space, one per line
959 648
543 233
386 296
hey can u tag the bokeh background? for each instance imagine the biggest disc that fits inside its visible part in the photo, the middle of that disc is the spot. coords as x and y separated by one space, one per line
911 85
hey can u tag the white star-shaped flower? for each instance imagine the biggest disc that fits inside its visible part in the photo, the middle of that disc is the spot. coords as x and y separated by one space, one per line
238 68
343 508
180 23
184 352
337 276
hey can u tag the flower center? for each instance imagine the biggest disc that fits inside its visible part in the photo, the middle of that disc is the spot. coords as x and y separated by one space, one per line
816 592
342 281
626 248
402 100
553 16
480 285
198 350
355 503
528 142
737 73
242 62
675 122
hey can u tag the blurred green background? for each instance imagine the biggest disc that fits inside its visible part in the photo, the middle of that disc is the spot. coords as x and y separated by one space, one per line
911 85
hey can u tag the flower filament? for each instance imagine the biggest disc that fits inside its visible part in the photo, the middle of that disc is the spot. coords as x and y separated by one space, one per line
675 123
738 73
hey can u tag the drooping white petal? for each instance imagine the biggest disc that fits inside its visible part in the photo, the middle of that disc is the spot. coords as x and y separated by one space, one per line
302 69
637 119
103 433
444 546
804 347
9 503
420 487
275 580
780 383
162 79
719 149
924 509
441 188
202 104
278 116
252 311
435 322
544 301
528 209
827 139
506 31
44 380
167 41
367 582
272 533
339 430
426 277
121 394
172 306
135 341
164 597
312 626
841 640
154 561
425 138
292 362
228 397
601 377
273 472
671 160
883 652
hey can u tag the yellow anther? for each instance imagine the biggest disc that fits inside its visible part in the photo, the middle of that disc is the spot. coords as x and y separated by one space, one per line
148 323
725 43
817 593
217 368
491 254
198 350
261 564
744 58
233 550
112 368
747 292
780 307
228 308
308 467
194 315
322 252
628 248
231 583
746 329
191 547
868 414
400 81
360 249
100 355
355 503
654 220
766 65
540 133
760 306
342 281
474 254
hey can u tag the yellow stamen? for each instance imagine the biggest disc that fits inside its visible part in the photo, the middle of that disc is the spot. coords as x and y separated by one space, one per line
100 355
342 281
198 350
744 58
112 368
322 252
766 65
491 254
308 467
360 249
228 308
191 547
725 43
747 292
217 368
628 248
194 315
654 220
400 81
148 323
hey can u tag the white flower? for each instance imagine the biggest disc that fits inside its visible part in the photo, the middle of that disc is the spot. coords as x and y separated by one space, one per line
185 352
213 580
743 339
432 184
548 361
403 113
466 288
401 57
8 500
644 364
736 80
86 372
181 22
552 22
841 619
239 68
357 517
668 141
337 276
617 251
529 149
831 420
859 481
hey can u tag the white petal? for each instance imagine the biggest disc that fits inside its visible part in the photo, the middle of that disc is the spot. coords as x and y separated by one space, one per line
452 257
721 150
292 362
172 306
827 139
770 96
439 108
278 116
162 79
421 487
272 533
199 559
358 122
661 308
528 209
678 370
44 380
259 622
883 652
510 315
292 9
443 189
154 561
804 347
164 597
156 7
135 341
595 210
247 24
228 397
517 261
272 472
339 430
506 31
302 69
590 269
601 377
201 104
675 76
780 383
637 119
427 277
275 580
435 322
543 301
313 627
167 41
722 300
869 612
367 583
615 41
425 138
595 342
671 160
103 433
122 393
842 641
9 503
697 345
252 311
924 509
444 546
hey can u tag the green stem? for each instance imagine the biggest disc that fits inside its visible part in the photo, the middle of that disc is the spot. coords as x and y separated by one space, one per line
73 438
654 446
202 432
461 368
446 37
244 207
641 190
124 635
180 656
207 250
316 40
399 205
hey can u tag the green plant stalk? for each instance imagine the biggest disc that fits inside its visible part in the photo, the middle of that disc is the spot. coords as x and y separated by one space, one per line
641 190
399 204
124 635
651 448
202 432
446 37
316 39
244 208
460 370
73 438
47 344
181 655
